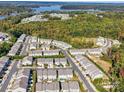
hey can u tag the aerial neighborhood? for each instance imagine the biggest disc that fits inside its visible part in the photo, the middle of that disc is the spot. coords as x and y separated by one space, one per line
47 65
65 46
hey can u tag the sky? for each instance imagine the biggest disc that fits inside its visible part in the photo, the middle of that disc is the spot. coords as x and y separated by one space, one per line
73 0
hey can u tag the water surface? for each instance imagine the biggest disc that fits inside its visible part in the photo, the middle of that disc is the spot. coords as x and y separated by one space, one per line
2 17
58 8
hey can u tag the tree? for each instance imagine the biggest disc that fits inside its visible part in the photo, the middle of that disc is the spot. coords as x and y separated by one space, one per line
120 85
4 48
16 33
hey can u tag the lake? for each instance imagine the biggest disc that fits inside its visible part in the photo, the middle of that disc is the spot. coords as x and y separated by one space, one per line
2 17
47 8
58 8
5 16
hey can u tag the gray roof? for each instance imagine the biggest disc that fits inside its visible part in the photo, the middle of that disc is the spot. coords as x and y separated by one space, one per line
85 63
27 39
36 51
52 86
51 51
45 60
69 71
89 67
33 44
21 38
65 71
20 83
73 85
25 72
3 61
33 39
24 50
14 49
78 57
44 86
65 86
60 60
39 86
45 52
61 44
29 58
52 72
40 60
39 72
48 60
44 72
57 60
78 51
45 46
1 69
63 60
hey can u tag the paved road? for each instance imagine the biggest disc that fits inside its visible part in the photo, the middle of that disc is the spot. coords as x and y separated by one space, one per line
12 71
88 86
108 44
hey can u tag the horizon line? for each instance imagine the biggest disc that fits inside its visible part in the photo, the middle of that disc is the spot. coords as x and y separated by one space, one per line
78 1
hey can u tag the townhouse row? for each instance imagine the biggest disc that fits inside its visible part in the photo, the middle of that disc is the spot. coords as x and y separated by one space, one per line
24 44
28 61
53 74
70 86
89 68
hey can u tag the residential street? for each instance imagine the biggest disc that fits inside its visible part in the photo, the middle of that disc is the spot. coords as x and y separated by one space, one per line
87 84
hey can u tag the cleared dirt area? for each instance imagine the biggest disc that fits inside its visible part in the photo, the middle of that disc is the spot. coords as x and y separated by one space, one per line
83 42
84 39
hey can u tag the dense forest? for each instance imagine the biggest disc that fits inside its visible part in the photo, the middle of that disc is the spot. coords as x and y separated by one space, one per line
8 10
104 7
85 25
